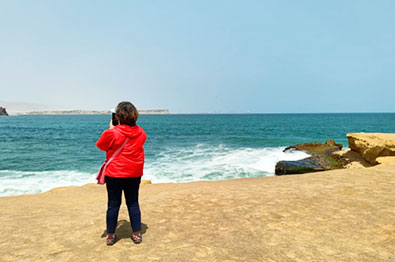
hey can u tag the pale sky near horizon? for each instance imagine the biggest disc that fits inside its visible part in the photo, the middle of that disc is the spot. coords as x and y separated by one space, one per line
200 56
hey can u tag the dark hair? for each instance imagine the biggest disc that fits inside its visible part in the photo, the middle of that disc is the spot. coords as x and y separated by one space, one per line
126 113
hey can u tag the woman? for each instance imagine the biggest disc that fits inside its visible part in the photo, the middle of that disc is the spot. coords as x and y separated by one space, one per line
124 172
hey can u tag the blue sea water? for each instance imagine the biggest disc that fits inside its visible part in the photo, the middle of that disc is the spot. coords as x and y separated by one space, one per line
40 152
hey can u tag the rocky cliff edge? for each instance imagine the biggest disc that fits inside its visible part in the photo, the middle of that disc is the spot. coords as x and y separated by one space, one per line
372 145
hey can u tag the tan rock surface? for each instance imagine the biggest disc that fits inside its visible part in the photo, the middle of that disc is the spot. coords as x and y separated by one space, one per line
386 160
146 182
339 215
354 158
372 145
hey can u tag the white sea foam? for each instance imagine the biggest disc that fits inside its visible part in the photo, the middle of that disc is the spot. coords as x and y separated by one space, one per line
215 163
25 182
201 162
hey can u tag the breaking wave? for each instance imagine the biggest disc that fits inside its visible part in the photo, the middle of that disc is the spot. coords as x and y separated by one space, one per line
174 165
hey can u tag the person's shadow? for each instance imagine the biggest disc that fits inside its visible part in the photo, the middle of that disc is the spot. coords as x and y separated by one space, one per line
124 230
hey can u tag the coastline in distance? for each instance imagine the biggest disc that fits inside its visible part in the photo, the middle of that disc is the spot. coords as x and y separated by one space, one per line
87 112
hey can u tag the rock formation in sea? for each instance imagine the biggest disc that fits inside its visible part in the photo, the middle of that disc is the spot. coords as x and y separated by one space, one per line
366 149
3 111
321 159
372 145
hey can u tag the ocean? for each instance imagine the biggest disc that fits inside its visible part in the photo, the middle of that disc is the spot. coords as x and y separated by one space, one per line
41 152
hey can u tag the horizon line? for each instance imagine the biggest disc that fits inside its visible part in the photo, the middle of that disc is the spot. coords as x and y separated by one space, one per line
104 112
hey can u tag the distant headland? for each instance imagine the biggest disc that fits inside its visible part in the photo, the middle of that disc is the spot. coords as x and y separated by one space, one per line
21 108
3 111
90 112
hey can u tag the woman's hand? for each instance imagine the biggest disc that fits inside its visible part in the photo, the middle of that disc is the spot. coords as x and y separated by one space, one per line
110 125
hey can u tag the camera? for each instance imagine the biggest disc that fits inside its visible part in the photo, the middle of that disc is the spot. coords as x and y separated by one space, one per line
114 118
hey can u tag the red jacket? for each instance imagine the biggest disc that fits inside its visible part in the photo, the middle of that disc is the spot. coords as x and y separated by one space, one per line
130 161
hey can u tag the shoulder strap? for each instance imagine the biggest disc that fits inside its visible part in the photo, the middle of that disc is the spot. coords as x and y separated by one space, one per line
118 150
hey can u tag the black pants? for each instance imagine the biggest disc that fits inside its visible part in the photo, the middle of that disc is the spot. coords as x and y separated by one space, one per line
130 186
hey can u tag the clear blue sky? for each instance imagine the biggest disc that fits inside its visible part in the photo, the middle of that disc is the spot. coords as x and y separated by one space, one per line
200 56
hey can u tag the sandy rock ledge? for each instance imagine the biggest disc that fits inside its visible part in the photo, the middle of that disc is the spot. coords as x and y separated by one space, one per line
372 145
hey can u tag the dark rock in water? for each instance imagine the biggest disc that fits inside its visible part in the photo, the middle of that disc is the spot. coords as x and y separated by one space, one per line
321 159
3 112
298 167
